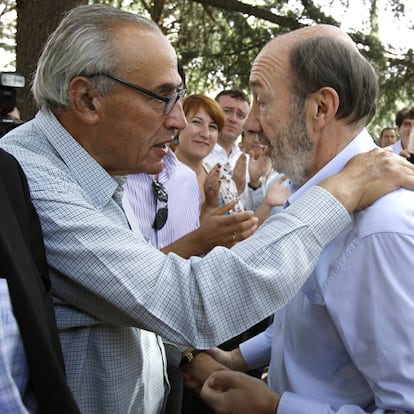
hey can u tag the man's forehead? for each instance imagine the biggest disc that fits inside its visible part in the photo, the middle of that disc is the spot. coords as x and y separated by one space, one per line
271 59
158 69
259 75
227 100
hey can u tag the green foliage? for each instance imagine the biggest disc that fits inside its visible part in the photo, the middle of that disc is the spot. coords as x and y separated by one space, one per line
220 54
8 30
218 40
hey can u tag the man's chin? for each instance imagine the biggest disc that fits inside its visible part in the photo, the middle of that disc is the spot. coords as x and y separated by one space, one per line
153 168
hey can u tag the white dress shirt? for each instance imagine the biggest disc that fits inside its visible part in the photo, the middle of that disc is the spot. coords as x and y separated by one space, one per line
344 344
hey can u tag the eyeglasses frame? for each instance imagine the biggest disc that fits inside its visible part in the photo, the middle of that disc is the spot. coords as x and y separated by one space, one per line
175 97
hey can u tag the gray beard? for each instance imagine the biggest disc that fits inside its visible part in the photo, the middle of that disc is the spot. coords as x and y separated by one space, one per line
293 148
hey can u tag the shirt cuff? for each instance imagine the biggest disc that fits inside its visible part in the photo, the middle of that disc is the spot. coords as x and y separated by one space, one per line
256 351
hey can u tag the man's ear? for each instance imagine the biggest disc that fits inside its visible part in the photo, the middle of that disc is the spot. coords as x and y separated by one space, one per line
322 107
84 100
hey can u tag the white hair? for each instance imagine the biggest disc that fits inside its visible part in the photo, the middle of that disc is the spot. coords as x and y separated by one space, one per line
81 45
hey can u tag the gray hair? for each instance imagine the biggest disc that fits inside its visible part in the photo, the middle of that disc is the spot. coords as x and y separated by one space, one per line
82 44
330 62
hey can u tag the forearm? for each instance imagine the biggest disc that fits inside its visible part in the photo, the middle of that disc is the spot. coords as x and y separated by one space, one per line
344 192
262 212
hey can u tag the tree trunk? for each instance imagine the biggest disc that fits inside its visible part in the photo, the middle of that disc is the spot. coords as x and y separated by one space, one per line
36 19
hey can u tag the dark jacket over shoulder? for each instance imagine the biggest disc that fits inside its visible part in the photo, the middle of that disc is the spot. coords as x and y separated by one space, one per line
23 263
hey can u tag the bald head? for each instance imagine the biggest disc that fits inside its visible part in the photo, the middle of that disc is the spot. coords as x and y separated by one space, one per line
304 33
323 56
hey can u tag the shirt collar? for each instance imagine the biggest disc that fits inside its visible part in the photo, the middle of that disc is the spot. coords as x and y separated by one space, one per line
96 183
170 162
235 150
363 142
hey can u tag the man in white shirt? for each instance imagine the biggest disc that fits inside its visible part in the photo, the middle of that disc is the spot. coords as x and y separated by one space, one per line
343 343
235 104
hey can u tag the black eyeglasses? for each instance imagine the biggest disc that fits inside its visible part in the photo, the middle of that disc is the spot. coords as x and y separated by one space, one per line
161 195
169 101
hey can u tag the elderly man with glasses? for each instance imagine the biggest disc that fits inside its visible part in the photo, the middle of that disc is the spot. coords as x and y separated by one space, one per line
110 98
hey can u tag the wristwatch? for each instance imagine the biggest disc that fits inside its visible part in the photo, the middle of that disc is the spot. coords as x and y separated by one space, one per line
188 357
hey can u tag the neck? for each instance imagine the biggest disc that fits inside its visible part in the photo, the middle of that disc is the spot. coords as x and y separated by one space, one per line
226 145
327 148
195 164
404 142
197 167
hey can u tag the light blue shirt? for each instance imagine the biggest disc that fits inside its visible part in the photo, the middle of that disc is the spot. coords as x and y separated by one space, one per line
113 290
397 147
345 342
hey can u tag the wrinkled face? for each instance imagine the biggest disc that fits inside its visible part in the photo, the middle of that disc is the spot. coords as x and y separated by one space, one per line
235 113
388 138
197 140
134 131
293 149
405 129
280 116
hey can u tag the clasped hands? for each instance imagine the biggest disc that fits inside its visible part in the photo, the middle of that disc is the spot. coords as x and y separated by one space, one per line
215 374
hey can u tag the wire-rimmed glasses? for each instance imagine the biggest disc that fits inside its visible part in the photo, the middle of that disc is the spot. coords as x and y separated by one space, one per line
169 101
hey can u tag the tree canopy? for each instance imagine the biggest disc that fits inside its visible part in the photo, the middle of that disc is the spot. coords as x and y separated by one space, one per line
217 40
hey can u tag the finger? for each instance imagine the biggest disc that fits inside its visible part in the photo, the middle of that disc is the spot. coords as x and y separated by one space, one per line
221 380
244 229
193 386
212 397
237 218
241 162
250 228
243 221
223 209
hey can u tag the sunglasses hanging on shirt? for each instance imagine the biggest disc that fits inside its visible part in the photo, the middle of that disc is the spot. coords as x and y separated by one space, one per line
160 194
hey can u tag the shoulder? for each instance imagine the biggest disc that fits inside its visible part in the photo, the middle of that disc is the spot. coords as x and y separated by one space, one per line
393 213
